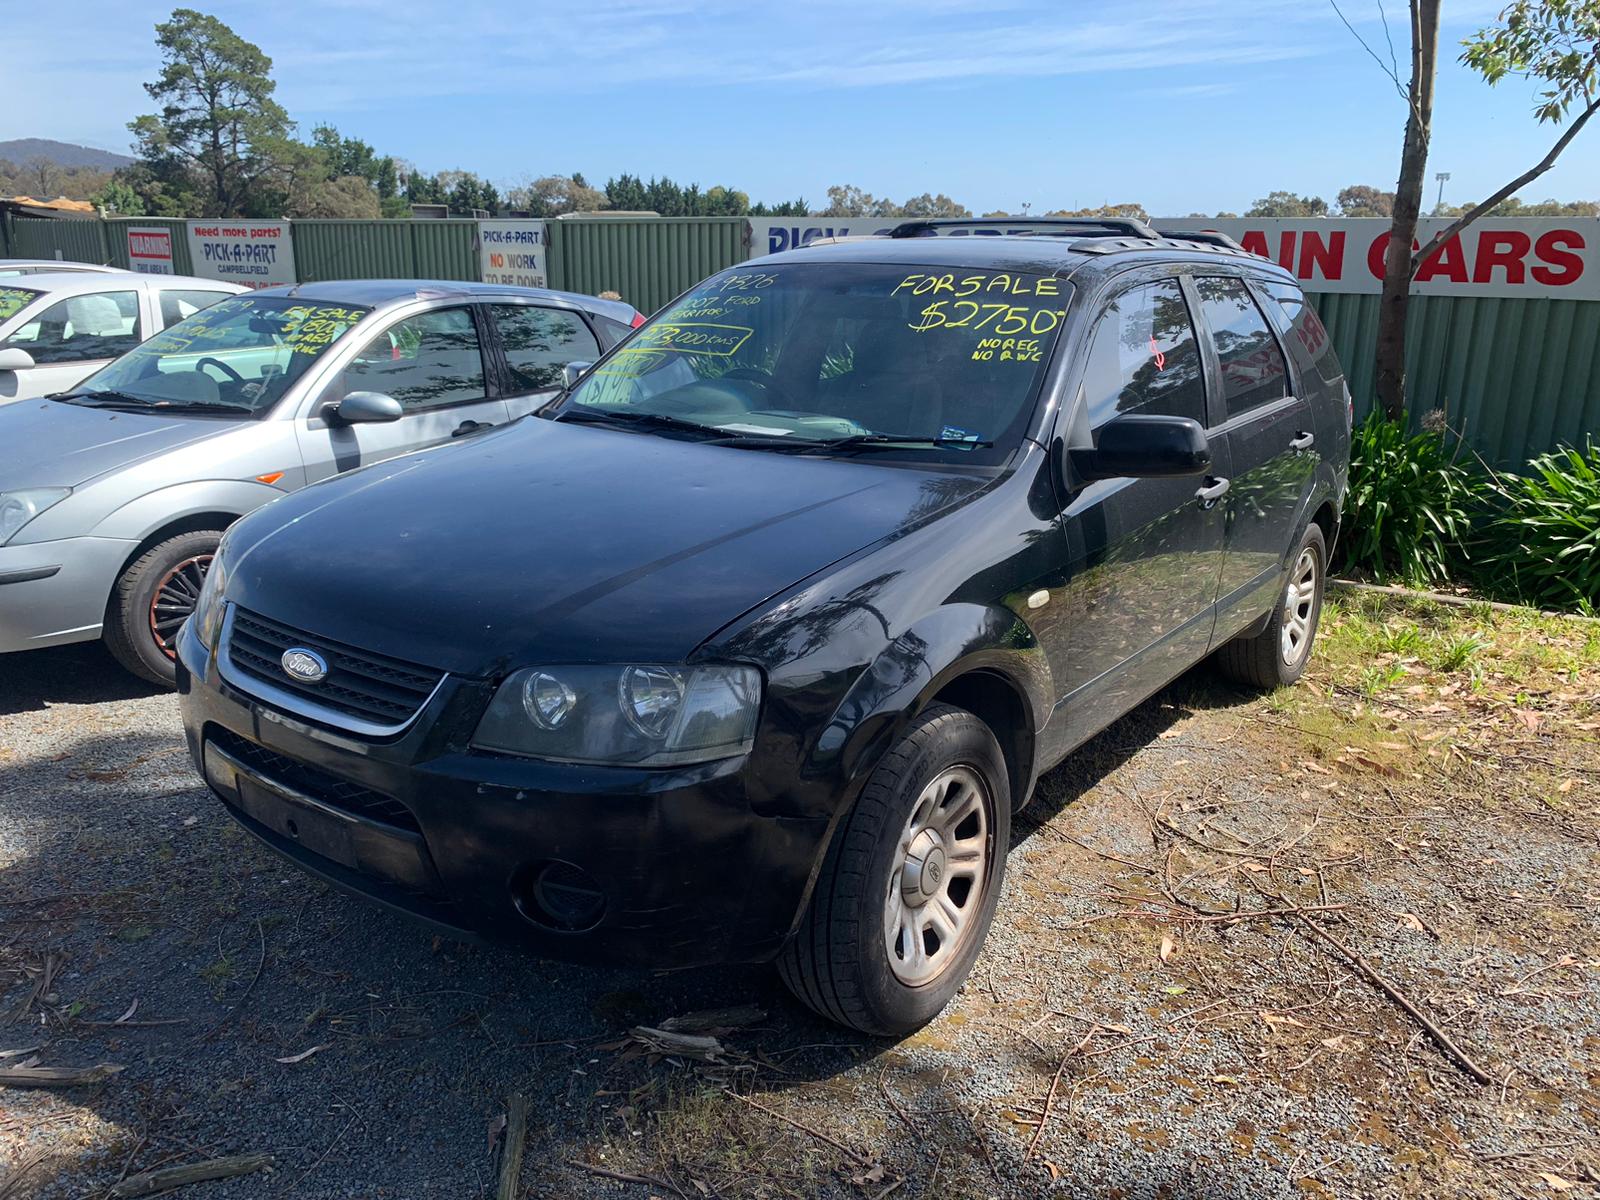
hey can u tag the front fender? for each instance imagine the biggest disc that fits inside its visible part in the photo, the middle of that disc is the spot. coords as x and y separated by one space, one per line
954 641
139 518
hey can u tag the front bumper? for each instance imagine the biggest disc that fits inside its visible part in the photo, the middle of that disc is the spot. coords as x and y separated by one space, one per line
56 592
687 870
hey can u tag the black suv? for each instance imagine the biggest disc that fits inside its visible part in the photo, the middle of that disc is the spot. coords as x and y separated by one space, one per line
749 644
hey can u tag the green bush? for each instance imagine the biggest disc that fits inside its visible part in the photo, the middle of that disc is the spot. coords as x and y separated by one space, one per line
1541 544
1409 504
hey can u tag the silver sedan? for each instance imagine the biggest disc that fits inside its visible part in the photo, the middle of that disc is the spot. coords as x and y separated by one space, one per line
113 495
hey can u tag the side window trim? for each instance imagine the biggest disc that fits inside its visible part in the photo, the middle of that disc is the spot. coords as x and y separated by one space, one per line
1216 404
1216 390
1275 317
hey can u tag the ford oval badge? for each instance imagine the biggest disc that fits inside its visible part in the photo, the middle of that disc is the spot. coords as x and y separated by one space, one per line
304 666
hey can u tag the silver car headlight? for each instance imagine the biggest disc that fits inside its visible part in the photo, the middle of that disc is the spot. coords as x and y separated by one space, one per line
18 508
208 609
644 715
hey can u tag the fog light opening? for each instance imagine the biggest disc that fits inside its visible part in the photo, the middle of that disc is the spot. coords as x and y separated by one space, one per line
558 895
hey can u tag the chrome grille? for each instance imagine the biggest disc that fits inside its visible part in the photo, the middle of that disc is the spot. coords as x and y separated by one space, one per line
314 782
372 688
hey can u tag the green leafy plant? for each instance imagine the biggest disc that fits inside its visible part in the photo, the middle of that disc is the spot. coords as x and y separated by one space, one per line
1455 653
1541 545
1409 503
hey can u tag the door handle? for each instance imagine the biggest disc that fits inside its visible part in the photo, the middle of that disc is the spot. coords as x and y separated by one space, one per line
1301 441
467 427
1213 491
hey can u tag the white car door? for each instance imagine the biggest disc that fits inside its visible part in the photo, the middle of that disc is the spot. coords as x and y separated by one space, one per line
71 338
433 363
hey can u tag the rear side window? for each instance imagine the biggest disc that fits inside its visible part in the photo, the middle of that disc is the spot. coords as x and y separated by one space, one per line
1144 358
82 329
612 332
1309 343
1253 370
539 342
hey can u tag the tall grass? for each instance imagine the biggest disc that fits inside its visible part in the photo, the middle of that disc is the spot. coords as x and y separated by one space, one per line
1541 541
1409 505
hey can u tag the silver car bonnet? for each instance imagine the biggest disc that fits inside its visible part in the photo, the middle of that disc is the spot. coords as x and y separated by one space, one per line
46 443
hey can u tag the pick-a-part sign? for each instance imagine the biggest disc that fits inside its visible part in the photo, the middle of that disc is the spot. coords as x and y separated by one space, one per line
512 252
254 254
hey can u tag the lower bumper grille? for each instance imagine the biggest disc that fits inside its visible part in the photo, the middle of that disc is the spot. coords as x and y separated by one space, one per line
314 782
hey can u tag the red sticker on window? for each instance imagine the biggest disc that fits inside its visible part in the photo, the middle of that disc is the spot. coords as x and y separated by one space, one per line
1161 359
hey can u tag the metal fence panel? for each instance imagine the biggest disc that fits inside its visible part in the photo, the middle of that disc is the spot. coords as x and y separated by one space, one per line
445 249
1515 376
648 260
117 240
351 250
77 240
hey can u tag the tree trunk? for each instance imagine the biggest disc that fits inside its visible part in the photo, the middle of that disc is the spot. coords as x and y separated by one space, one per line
1391 358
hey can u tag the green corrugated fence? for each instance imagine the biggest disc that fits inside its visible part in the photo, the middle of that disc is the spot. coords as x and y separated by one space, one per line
1516 376
648 260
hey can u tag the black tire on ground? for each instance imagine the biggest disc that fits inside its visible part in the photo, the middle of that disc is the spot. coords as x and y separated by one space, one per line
132 615
1271 659
839 961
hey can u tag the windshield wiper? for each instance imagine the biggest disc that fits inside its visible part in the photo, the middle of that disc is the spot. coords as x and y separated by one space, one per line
891 441
104 399
207 406
647 420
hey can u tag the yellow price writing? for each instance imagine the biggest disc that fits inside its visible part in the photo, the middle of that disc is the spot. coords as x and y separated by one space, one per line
14 300
1002 320
971 285
690 337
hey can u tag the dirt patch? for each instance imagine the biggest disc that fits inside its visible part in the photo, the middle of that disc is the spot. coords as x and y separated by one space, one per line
1155 1014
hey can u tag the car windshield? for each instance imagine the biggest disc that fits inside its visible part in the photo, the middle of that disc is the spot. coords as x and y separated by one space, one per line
923 362
242 354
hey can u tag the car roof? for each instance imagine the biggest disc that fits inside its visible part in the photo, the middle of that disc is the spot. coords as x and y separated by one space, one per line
70 282
1036 254
61 265
375 293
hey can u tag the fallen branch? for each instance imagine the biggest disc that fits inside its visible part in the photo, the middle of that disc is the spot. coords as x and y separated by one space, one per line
49 1077
515 1138
168 1178
859 1159
624 1177
1443 1040
688 1045
1055 1083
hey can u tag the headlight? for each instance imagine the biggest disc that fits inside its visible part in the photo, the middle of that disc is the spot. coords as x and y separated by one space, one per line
18 508
208 609
644 715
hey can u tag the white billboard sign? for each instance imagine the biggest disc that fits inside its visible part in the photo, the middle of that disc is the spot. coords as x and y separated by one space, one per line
1550 257
513 252
150 250
254 254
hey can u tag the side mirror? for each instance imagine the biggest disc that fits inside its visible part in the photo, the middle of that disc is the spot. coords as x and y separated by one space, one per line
367 408
573 372
15 360
1143 446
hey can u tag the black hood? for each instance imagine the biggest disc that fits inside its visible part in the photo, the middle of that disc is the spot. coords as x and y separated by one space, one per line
551 543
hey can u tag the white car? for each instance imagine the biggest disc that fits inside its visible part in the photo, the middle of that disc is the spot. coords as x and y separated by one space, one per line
59 328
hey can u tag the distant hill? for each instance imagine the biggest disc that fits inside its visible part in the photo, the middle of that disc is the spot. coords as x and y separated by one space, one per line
63 154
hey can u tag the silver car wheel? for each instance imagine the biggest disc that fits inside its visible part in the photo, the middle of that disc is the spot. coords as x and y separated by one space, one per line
1299 604
936 885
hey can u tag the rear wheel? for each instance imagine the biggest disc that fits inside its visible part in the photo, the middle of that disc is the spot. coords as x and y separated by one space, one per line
910 882
152 600
1277 656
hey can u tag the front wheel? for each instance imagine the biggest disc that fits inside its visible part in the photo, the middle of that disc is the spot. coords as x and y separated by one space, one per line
910 882
153 599
1277 656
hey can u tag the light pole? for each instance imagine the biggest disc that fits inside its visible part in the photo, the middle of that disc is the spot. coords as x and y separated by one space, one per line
1443 177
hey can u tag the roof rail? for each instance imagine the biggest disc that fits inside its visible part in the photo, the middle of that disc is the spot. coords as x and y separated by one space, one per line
1207 237
1217 244
1087 226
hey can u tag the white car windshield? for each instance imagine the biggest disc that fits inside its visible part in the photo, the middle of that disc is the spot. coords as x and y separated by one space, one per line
242 354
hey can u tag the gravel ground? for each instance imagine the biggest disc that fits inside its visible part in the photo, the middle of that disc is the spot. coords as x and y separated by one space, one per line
1440 823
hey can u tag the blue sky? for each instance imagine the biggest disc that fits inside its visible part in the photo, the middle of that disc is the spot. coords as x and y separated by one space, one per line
1179 104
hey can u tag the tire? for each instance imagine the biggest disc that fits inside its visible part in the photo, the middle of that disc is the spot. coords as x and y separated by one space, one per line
140 635
1277 656
844 962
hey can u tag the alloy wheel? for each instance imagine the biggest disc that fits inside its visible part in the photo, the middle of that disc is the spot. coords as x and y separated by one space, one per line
1299 605
936 886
